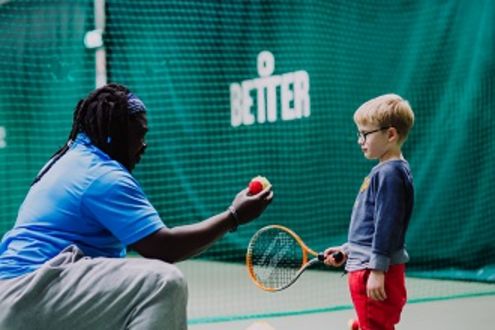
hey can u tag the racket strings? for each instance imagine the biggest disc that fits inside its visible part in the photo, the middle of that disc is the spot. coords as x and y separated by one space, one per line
276 258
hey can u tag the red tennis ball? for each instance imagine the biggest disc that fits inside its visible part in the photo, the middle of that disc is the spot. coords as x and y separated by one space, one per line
255 186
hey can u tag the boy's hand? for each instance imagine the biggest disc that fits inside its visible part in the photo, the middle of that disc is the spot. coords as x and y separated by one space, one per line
375 287
330 259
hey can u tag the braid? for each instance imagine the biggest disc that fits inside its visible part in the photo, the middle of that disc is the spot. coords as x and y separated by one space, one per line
106 122
104 117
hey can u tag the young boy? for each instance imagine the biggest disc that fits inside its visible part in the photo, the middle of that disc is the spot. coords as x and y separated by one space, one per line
375 252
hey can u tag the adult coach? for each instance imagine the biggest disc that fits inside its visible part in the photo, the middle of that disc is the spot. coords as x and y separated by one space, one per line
62 265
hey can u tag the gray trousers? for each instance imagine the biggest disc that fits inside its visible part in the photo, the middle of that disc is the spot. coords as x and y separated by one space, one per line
75 292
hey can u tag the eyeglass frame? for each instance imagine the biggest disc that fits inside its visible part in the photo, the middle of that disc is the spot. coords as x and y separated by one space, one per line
364 134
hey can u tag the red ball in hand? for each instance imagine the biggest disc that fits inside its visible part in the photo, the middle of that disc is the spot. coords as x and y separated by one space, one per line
255 186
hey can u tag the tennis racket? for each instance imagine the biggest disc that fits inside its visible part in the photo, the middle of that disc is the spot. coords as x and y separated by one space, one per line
276 257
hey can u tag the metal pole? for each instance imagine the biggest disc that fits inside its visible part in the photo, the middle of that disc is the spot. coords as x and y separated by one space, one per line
100 53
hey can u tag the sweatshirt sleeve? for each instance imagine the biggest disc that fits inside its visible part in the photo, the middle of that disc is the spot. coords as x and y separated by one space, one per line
389 214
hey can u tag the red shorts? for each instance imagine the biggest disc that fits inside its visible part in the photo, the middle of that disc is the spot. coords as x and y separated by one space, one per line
379 315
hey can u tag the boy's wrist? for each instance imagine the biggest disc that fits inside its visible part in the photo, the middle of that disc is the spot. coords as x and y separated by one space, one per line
379 262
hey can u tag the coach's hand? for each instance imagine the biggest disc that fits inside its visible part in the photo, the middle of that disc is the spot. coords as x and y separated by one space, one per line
248 207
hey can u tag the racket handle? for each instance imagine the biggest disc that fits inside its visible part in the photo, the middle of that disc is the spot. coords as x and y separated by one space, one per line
338 256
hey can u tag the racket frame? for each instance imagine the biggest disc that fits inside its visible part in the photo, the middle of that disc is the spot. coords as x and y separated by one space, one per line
306 252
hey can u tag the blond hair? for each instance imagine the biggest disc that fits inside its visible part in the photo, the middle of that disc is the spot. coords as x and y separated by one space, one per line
389 110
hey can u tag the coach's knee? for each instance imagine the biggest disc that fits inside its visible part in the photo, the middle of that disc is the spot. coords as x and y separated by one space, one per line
162 300
169 280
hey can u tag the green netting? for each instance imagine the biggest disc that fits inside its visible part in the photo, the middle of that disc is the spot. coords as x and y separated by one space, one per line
184 57
44 71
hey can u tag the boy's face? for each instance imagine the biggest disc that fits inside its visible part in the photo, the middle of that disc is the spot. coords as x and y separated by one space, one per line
376 142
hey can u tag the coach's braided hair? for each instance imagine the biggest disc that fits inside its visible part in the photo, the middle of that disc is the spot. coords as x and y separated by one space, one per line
104 117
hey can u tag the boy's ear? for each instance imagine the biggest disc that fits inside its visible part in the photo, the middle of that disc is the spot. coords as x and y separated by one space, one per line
393 135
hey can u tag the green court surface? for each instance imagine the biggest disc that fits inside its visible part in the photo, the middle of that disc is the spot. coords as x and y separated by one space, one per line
459 314
221 297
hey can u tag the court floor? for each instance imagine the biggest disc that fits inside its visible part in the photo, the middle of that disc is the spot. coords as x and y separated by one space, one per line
459 314
221 297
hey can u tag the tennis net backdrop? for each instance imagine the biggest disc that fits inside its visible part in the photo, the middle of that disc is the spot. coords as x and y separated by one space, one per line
235 89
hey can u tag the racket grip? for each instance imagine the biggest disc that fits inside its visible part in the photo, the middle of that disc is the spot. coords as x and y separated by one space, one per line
338 256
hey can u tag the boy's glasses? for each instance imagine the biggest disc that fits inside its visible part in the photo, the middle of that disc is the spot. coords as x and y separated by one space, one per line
364 134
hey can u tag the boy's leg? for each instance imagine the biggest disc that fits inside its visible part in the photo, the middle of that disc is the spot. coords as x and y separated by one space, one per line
353 324
75 292
378 315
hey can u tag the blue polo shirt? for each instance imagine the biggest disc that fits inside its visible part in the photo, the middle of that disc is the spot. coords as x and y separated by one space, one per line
86 199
